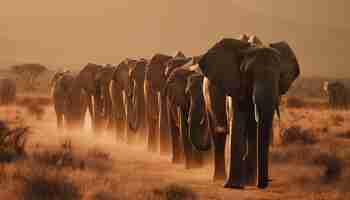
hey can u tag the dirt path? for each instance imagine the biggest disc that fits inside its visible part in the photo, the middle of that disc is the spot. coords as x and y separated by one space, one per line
137 167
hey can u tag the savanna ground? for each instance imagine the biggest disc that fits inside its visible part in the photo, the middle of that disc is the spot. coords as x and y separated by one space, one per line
309 160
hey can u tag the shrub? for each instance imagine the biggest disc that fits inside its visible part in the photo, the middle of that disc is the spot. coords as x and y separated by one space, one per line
174 192
295 102
295 134
332 164
12 142
63 157
44 184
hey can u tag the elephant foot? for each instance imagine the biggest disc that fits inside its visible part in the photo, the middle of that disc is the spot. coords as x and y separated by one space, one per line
219 176
263 184
230 184
176 160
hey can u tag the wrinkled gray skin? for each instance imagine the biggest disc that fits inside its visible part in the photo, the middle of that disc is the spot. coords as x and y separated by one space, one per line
103 80
7 91
186 114
254 78
69 101
338 95
85 80
120 90
136 107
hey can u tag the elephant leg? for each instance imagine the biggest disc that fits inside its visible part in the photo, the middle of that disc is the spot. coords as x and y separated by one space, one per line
191 157
59 120
219 156
177 151
152 136
91 111
164 136
236 172
251 158
152 116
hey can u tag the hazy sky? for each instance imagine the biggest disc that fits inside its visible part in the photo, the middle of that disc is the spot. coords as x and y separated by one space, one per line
73 32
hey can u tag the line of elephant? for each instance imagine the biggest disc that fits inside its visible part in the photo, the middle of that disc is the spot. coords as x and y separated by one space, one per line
338 94
189 105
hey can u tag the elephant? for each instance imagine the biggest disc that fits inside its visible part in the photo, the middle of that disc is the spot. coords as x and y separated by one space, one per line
254 77
69 100
136 105
155 79
8 90
120 90
338 94
85 80
186 113
103 80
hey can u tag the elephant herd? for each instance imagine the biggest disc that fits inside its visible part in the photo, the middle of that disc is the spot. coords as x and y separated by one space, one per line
338 94
188 105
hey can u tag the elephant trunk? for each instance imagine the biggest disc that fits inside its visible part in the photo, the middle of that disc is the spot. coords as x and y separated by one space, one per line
265 97
197 126
133 107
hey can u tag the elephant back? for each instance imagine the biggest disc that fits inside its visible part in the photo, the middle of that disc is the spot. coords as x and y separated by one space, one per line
176 86
220 64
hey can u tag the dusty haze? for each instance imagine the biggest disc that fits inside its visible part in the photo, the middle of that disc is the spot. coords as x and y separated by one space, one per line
71 33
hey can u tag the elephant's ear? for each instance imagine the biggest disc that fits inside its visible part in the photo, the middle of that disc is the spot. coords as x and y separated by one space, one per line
220 64
290 69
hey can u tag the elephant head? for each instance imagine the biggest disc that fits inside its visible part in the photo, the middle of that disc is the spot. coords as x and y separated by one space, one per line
197 122
103 79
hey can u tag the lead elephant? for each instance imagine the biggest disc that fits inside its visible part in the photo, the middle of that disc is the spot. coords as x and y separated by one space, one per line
8 90
254 77
120 91
186 113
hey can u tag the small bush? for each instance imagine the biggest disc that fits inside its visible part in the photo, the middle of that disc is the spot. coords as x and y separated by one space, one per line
295 102
337 119
36 110
65 157
105 195
296 134
62 157
174 192
43 184
345 134
12 142
332 164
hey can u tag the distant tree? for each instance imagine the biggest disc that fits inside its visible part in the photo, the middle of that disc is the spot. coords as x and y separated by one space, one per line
29 73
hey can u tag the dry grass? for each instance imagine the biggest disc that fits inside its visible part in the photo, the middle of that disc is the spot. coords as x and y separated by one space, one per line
302 102
45 184
34 105
296 134
173 192
12 142
66 157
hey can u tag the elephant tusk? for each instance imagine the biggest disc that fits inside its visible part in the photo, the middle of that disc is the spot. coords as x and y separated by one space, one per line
256 113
